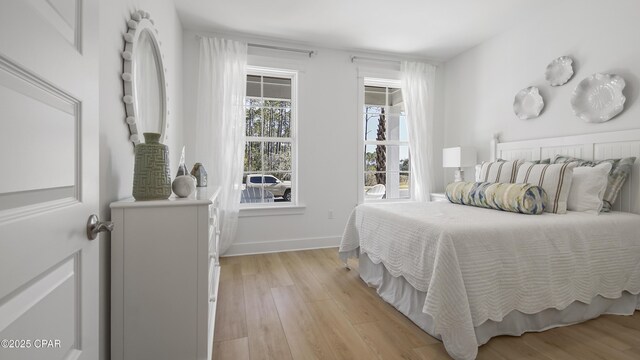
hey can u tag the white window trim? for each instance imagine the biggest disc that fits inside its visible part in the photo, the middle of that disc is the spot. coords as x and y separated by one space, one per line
373 80
271 210
260 209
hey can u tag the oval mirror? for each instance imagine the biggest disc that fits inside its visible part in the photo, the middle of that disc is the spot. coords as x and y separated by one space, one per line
144 84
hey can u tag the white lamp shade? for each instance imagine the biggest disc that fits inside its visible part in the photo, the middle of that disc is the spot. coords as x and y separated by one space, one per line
458 157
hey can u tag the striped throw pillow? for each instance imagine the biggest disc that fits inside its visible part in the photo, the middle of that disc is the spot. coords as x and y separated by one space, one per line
498 171
620 171
555 179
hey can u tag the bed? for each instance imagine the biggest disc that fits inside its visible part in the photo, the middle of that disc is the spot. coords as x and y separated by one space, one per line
466 274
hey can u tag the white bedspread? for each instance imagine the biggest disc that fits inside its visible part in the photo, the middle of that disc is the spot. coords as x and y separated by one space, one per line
477 264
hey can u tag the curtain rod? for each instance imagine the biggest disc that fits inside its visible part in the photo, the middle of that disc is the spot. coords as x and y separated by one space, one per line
281 48
356 58
303 51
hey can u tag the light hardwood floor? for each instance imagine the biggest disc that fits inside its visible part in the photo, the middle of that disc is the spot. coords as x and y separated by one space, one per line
306 305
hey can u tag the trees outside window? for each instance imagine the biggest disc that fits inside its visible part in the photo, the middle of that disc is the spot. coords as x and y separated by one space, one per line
386 144
270 133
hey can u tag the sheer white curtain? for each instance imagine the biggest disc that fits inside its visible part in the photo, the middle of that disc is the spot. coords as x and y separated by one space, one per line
418 83
220 125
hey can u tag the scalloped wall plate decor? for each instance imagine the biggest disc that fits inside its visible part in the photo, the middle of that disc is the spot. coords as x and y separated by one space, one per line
528 103
598 98
559 71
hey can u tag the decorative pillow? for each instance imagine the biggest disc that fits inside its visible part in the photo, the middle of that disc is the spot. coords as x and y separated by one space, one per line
479 172
587 188
497 171
518 198
543 161
620 170
555 179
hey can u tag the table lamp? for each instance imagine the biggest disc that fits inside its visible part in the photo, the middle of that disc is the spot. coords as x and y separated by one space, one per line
458 157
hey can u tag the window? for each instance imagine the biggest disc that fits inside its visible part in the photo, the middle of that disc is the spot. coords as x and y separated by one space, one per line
270 146
386 143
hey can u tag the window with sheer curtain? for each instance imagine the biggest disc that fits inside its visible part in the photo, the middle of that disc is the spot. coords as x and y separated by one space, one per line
386 145
270 146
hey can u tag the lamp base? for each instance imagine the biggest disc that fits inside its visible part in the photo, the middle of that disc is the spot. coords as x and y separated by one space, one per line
459 175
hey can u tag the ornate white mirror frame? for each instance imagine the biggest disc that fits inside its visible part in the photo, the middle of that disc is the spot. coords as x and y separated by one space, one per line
141 23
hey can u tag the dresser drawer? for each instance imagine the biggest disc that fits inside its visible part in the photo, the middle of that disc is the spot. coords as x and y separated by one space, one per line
212 267
213 215
213 281
214 240
210 322
214 228
211 237
214 270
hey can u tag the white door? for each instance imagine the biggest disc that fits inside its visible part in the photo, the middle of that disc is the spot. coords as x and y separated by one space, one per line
48 179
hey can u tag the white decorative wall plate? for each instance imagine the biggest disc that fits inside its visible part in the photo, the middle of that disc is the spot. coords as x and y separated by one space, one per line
528 103
598 98
559 71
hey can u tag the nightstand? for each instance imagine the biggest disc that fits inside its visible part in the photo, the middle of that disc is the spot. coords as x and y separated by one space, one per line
439 197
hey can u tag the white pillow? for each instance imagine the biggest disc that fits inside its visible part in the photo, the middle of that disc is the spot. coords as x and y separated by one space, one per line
555 179
588 187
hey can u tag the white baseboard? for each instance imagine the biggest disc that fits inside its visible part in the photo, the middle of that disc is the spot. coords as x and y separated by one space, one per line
264 247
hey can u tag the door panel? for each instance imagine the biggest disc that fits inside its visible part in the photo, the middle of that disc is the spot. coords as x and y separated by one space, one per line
62 15
49 153
52 296
41 122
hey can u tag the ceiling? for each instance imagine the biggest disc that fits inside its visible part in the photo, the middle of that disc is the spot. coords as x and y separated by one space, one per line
434 29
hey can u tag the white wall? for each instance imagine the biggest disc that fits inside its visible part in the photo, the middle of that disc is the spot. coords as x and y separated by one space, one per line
480 84
327 145
116 152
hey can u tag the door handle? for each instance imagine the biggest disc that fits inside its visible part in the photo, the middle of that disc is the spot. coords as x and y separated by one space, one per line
95 226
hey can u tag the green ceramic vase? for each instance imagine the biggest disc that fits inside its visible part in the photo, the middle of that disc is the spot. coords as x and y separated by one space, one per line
151 178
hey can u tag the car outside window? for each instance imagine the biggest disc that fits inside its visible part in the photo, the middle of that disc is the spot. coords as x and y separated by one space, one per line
270 136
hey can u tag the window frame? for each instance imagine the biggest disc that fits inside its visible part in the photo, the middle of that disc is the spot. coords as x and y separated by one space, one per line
293 75
386 81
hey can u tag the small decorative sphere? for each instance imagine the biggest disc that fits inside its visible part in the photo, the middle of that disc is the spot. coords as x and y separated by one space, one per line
184 185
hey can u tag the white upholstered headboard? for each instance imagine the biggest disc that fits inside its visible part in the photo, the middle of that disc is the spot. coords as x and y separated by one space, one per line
597 146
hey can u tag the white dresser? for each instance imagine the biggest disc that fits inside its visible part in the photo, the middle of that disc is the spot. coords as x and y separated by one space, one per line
164 277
